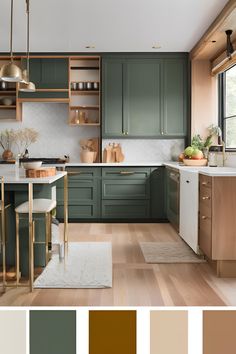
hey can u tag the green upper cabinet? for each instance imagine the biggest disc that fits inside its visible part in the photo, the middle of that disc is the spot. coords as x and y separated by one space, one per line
112 97
145 97
142 101
174 97
48 74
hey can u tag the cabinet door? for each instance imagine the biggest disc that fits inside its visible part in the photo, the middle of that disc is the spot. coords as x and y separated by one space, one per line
142 104
174 97
112 85
157 195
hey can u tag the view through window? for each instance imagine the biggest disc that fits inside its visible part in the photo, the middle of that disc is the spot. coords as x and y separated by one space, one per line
229 114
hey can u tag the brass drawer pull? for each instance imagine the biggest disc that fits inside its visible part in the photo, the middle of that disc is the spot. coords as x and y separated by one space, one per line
74 173
206 198
204 217
126 172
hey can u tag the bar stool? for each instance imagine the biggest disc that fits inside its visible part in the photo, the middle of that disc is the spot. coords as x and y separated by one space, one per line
40 206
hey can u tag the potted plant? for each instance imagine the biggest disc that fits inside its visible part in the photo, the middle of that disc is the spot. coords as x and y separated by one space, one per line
7 138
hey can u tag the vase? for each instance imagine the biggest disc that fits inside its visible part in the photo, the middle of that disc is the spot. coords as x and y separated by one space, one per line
7 155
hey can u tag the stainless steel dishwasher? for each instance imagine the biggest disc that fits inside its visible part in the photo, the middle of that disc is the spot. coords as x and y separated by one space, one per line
172 196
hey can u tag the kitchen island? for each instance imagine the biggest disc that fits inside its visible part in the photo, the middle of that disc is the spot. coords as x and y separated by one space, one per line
19 189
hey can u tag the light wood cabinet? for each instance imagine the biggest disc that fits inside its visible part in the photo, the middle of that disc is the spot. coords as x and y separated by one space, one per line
217 222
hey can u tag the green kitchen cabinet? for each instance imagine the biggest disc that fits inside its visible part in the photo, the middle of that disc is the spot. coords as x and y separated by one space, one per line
142 98
83 193
125 193
174 94
145 97
157 196
48 74
112 97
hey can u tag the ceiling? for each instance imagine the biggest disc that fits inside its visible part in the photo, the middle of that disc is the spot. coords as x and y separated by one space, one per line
109 25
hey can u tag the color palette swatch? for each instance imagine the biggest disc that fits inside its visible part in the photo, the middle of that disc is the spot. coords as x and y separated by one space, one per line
112 332
12 332
52 332
169 332
219 332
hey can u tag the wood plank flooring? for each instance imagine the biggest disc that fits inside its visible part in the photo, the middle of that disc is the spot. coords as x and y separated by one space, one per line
135 283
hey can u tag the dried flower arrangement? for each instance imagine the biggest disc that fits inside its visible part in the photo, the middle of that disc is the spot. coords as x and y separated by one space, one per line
24 138
7 138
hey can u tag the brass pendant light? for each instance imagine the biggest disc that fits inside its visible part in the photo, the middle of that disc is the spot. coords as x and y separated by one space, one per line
26 85
11 72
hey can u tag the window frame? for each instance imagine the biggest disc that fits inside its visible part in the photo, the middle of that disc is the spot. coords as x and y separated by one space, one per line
222 106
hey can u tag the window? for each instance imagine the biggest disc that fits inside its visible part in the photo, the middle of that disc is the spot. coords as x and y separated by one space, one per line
228 107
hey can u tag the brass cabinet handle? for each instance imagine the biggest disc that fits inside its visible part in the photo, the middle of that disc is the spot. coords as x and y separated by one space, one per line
204 183
74 173
126 172
206 198
204 217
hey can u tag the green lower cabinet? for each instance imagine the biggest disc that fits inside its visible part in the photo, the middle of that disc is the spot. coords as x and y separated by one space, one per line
125 209
158 200
83 194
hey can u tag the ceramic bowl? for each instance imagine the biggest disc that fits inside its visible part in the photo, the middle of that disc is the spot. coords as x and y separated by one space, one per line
32 165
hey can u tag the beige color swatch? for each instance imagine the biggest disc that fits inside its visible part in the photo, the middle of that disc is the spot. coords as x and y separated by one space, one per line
13 332
219 332
169 332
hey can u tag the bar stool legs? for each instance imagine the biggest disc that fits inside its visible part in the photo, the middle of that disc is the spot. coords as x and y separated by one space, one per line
3 236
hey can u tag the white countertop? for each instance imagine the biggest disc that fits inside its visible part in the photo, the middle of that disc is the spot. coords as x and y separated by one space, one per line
8 172
205 170
114 164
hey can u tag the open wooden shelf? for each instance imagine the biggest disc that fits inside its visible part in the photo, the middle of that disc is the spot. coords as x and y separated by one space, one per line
85 92
7 107
85 124
8 92
84 107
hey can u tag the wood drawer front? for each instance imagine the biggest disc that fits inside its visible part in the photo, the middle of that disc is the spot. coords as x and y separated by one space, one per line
205 233
125 189
125 209
205 181
205 197
126 173
84 192
82 211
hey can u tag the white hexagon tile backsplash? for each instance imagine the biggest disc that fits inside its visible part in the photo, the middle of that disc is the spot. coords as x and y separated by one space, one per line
57 138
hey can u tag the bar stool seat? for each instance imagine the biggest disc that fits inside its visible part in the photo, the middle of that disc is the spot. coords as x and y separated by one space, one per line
39 206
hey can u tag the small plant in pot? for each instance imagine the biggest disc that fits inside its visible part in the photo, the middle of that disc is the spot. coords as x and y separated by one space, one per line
7 138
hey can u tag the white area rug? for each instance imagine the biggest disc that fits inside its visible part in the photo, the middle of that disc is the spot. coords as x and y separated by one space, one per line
169 252
86 265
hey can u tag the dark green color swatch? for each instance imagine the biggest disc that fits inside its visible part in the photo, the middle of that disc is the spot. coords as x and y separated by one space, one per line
52 332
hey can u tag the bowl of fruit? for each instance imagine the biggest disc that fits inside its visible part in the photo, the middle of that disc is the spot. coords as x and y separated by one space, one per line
192 156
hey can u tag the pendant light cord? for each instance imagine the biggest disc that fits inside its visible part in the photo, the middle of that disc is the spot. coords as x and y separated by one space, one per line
28 35
11 36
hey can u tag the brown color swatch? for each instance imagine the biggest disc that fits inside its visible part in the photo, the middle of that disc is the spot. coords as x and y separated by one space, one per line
169 332
219 332
112 332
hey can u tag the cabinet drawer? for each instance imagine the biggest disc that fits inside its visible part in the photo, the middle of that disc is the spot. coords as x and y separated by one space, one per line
126 173
84 192
205 234
205 197
125 189
125 209
82 173
82 211
205 182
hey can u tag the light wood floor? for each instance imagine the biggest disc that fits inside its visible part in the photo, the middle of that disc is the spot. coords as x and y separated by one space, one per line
135 283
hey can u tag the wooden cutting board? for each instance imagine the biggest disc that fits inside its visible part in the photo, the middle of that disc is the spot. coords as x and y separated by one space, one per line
40 172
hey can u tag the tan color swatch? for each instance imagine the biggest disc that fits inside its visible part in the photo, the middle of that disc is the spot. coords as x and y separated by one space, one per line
169 332
112 332
219 332
13 332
